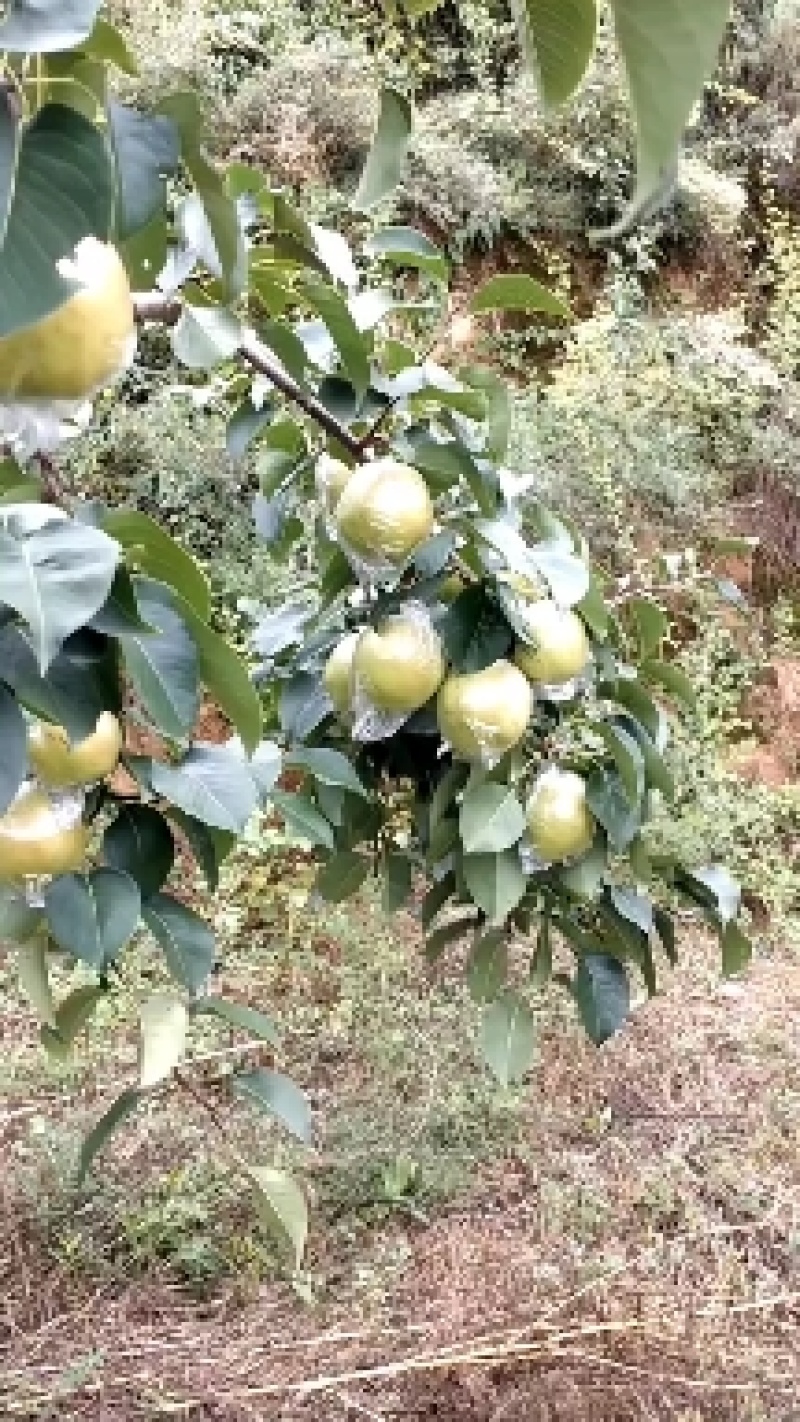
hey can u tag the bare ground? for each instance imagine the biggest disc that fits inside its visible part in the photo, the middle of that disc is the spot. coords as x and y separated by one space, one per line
633 1252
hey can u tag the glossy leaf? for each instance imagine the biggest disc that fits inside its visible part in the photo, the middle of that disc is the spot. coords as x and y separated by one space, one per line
185 938
212 783
279 1096
146 151
508 1037
163 1022
491 819
163 665
329 766
236 1014
139 842
159 556
496 882
62 186
282 1206
56 573
602 993
558 37
302 819
668 51
517 292
220 210
386 157
93 915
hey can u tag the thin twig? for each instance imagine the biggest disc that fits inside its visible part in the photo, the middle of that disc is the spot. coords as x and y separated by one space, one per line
151 306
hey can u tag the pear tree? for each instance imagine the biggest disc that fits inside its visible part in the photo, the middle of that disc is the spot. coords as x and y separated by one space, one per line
470 710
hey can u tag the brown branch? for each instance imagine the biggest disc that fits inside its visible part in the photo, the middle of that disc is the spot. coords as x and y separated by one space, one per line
151 306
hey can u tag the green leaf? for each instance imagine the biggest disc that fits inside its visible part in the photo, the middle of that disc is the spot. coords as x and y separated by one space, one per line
508 1037
212 783
33 27
723 889
279 1096
120 611
652 625
220 210
206 336
100 1134
63 191
559 39
386 157
74 1013
139 842
93 915
282 1206
397 881
668 51
487 966
452 932
517 292
186 940
209 846
163 1022
542 962
54 572
672 679
13 747
244 425
608 801
163 665
107 43
453 780
350 343
474 631
436 898
498 409
737 950
491 819
18 920
33 978
221 669
657 775
628 758
158 555
635 907
665 928
303 819
602 993
329 766
406 247
496 882
342 876
146 152
235 1014
584 878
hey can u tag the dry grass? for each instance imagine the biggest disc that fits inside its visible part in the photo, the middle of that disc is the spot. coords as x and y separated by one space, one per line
629 1249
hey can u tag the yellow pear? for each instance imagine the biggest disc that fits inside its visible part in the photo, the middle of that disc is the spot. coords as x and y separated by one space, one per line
560 824
561 648
385 512
399 665
36 839
483 714
338 674
59 763
83 344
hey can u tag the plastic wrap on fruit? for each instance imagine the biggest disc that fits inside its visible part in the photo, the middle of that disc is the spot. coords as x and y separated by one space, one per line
556 656
397 667
485 713
41 833
383 515
331 477
561 827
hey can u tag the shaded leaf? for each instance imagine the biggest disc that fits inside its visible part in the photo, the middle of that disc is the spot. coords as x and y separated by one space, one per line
487 966
558 37
602 993
185 938
235 1014
93 915
508 1037
13 747
155 553
342 876
303 819
387 154
279 1096
329 766
139 842
101 1133
496 882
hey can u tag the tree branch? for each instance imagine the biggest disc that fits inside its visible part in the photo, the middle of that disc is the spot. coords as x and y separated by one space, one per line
151 306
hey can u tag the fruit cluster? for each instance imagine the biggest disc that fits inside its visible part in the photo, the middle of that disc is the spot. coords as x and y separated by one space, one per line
379 676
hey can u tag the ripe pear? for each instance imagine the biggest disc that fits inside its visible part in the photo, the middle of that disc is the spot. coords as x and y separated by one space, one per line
338 674
399 665
59 763
483 714
36 840
83 344
385 512
560 824
561 648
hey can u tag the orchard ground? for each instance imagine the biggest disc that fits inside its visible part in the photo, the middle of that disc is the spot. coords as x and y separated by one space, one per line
619 1238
